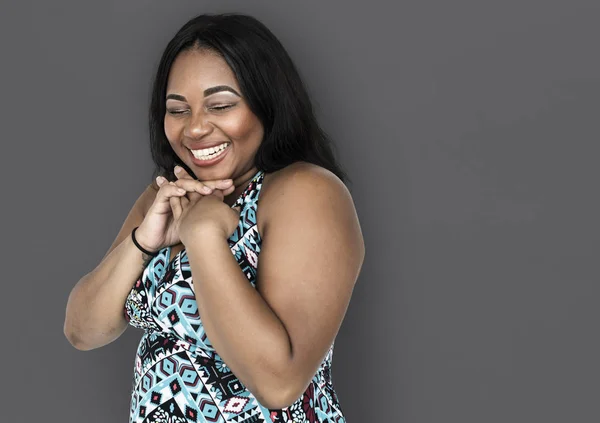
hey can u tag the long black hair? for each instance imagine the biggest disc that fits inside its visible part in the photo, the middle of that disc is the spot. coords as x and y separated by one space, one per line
269 82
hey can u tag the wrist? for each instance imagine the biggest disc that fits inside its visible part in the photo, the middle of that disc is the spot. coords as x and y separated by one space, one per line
207 235
139 238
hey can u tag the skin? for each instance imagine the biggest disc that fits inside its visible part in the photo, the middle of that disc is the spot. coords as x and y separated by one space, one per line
273 337
197 120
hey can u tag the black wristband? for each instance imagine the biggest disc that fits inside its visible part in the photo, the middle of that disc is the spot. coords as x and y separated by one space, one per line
139 246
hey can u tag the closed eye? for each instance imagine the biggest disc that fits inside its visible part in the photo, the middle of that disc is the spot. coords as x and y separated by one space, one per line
227 106
217 108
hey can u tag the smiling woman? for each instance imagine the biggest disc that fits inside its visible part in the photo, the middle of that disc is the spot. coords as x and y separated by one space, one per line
224 339
208 112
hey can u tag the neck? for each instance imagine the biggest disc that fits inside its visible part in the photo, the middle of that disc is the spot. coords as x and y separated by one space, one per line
241 183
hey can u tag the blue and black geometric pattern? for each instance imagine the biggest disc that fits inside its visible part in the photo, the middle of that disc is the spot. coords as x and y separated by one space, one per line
178 376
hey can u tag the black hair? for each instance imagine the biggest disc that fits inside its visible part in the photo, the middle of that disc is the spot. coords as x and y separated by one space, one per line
269 82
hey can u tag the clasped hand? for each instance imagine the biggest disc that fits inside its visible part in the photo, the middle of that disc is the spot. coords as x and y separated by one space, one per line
201 211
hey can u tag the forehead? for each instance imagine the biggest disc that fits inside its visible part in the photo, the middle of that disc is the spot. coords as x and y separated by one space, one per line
195 70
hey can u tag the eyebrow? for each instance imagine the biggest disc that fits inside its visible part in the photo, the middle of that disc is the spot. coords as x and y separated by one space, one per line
207 92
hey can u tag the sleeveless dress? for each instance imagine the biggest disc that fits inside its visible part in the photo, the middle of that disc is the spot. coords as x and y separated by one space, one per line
178 376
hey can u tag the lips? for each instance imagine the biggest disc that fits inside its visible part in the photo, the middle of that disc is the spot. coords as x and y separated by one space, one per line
212 161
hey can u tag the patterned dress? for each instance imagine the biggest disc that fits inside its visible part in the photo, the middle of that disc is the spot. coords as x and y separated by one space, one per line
178 376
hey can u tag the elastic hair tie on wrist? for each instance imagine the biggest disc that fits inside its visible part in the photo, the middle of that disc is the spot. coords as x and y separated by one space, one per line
139 246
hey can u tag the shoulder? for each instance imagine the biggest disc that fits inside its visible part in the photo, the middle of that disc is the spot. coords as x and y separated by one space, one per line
300 180
301 177
148 197
301 187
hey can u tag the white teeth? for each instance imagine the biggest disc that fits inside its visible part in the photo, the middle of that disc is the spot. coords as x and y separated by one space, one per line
209 153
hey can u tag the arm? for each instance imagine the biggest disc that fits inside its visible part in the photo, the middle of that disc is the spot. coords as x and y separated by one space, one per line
275 337
94 313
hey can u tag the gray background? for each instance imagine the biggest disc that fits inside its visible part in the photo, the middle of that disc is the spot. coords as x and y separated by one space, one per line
470 130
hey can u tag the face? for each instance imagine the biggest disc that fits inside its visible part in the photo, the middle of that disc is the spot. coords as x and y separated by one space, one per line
204 108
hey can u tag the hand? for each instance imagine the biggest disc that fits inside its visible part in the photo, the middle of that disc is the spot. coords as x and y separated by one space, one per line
158 230
195 212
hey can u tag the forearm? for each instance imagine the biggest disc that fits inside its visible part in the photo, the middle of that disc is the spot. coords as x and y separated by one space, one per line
94 314
239 323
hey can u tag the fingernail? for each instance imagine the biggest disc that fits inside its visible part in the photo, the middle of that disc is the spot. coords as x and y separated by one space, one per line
178 169
160 180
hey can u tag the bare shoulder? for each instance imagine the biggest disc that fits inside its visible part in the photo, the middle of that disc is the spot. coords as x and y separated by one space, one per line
148 197
304 185
303 176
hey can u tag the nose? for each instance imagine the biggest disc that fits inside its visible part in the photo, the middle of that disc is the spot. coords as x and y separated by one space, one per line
197 126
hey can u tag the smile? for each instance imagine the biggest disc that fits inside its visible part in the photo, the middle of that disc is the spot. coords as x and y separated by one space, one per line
210 156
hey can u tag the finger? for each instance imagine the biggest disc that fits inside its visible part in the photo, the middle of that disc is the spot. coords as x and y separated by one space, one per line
184 201
222 183
187 197
178 190
169 189
217 183
181 173
175 207
191 185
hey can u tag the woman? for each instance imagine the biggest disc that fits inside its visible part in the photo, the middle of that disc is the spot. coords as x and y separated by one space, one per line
222 340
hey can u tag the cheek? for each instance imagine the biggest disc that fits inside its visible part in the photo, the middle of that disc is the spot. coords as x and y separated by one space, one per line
171 128
241 126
